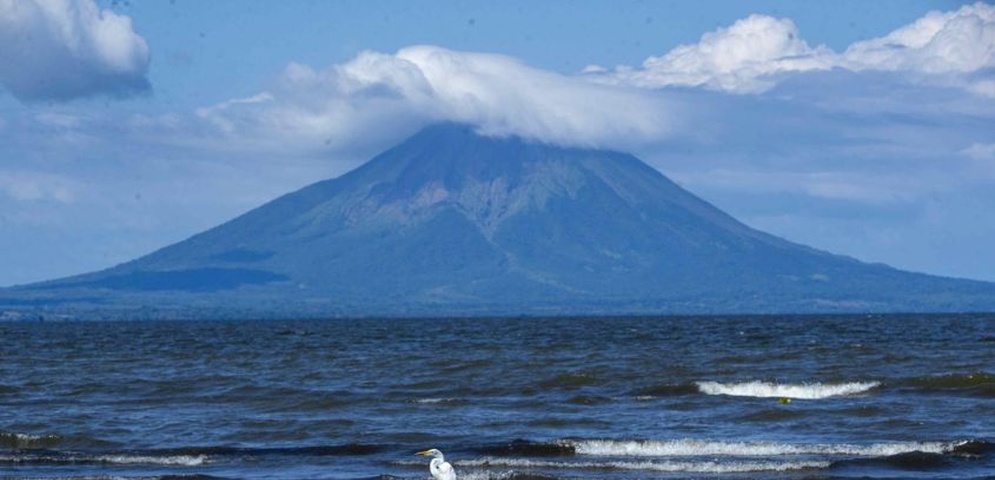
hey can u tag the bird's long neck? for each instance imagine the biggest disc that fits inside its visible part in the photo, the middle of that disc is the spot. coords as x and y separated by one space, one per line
434 464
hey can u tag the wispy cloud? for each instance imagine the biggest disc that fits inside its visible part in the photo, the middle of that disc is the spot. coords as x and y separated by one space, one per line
980 151
982 156
26 186
65 49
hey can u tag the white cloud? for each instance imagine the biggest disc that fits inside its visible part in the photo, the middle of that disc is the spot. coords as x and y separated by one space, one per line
378 98
961 41
64 49
754 54
398 93
215 113
740 58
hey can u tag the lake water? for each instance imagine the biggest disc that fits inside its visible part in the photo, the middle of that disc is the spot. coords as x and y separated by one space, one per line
776 397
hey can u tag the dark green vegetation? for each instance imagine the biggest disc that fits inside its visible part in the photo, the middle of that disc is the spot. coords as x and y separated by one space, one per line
454 223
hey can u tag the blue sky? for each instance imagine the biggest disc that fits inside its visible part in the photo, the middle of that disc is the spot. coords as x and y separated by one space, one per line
862 128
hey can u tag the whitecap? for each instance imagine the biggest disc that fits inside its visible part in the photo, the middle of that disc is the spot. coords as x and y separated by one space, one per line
696 447
806 391
173 460
27 457
438 401
670 466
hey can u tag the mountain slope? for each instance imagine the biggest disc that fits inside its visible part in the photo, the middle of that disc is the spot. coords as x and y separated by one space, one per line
451 221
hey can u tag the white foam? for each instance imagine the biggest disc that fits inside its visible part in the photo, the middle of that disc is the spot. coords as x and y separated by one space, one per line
705 466
694 447
485 475
806 391
26 437
436 401
117 459
175 460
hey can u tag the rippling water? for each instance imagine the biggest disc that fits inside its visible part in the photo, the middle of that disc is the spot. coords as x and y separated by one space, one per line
579 398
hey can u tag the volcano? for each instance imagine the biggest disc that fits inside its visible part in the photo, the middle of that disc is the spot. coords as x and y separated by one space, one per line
452 222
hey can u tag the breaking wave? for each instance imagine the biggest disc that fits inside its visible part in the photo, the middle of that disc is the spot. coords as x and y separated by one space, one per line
440 401
694 447
669 466
695 456
805 391
56 458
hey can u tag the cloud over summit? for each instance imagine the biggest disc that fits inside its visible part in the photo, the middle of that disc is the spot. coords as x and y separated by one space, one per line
378 98
65 49
420 85
828 146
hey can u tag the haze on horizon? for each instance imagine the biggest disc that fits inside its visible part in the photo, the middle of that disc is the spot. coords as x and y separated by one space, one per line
859 128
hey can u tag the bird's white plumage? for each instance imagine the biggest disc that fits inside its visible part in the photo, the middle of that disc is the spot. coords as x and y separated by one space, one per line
440 468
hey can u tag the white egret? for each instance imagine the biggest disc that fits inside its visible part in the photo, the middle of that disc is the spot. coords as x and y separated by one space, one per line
440 468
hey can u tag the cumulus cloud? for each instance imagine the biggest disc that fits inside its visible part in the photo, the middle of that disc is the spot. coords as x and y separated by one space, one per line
65 49
940 42
754 53
425 84
378 98
740 58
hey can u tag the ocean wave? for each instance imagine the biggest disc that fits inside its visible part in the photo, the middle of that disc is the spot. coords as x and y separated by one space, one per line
179 460
505 475
440 401
668 466
344 449
28 440
666 390
178 457
695 447
902 461
704 457
806 391
974 447
58 458
979 382
191 476
530 449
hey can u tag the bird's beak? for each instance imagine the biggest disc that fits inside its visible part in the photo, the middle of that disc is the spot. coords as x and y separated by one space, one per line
423 452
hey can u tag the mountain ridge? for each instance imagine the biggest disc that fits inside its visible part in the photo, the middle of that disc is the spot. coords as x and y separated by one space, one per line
453 221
